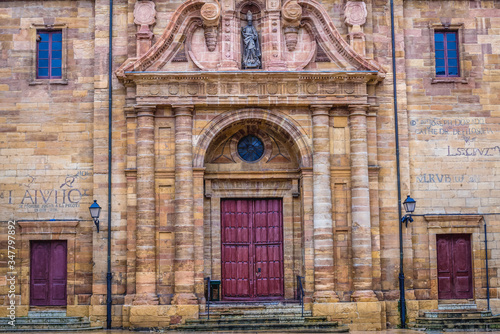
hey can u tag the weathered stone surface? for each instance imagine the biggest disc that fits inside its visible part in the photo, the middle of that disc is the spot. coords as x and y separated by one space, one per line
324 112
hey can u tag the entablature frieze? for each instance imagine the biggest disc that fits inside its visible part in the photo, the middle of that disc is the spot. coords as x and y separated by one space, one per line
252 87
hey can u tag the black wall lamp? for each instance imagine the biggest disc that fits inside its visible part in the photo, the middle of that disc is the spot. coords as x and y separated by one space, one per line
95 211
409 205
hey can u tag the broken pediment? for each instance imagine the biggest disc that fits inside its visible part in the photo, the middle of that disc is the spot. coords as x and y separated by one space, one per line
202 36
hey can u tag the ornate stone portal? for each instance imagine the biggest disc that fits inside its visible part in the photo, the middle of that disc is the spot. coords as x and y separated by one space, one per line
220 133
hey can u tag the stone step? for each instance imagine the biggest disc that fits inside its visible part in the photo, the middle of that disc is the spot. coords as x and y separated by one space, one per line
40 324
469 326
455 314
239 314
469 306
426 321
258 326
29 320
263 319
47 314
36 330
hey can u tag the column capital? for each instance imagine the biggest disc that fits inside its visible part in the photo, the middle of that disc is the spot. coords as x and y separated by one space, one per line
183 109
143 110
358 109
320 109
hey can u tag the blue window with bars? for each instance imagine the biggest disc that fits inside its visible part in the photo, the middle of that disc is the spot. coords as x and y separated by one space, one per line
49 55
446 48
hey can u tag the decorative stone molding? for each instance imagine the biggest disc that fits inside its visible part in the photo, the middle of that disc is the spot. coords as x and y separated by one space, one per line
144 18
355 16
256 88
210 13
355 13
314 17
291 16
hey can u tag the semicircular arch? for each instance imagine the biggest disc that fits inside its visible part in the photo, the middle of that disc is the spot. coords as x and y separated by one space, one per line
223 121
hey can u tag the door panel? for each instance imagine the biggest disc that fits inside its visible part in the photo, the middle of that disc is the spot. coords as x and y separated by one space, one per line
58 270
252 260
40 273
454 266
48 273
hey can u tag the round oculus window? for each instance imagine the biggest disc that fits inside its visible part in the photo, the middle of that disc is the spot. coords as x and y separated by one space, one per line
250 148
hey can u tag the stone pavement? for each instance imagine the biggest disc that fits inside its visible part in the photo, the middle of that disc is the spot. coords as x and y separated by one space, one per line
389 331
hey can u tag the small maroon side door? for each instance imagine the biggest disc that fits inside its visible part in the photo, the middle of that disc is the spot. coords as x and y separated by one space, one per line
454 266
48 273
252 249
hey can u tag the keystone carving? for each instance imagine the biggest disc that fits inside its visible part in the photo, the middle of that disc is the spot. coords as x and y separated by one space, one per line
144 17
210 13
291 15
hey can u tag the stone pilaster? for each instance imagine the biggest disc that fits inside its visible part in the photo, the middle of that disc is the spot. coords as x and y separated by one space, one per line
322 204
184 220
131 175
307 200
360 189
146 229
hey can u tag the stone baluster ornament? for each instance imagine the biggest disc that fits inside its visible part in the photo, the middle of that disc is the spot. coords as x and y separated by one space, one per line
210 13
291 16
144 18
355 16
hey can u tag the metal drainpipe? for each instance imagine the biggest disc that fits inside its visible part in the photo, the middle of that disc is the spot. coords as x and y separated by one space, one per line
486 260
402 300
110 156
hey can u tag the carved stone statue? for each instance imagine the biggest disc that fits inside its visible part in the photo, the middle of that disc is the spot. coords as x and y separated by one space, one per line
251 46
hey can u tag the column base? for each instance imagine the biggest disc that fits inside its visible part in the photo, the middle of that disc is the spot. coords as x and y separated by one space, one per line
184 299
364 296
325 297
145 299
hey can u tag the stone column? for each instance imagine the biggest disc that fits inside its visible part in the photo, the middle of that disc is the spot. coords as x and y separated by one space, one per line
324 290
184 220
360 189
146 232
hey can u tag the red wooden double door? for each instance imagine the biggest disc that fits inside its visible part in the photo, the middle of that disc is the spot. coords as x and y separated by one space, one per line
454 266
48 273
252 249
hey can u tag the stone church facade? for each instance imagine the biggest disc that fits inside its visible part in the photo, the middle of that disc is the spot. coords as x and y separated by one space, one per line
250 173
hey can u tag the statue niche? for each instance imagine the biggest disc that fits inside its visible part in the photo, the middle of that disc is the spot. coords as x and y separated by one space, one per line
251 55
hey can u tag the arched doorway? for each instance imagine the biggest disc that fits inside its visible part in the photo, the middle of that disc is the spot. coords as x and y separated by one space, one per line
253 209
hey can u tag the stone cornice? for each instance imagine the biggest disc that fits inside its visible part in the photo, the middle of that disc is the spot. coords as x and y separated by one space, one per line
259 88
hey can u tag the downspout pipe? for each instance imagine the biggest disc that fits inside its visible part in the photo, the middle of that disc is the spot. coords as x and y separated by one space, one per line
486 262
402 301
110 160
